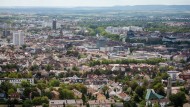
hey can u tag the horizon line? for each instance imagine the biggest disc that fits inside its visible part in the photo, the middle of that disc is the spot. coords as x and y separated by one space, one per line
91 6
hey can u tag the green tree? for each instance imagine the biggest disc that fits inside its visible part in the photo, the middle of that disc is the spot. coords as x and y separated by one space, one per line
54 83
13 75
40 100
140 91
25 84
66 94
178 99
6 85
159 88
27 103
41 86
133 85
48 67
11 91
84 99
34 68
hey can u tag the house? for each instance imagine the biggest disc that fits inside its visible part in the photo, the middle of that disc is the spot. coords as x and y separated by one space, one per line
20 90
64 103
100 96
123 96
55 95
101 103
185 75
77 93
15 96
153 98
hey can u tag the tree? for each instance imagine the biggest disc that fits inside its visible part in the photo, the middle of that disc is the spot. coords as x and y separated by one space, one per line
54 83
129 104
27 103
48 94
75 68
48 67
178 99
156 105
41 86
66 94
13 75
107 95
34 68
140 91
27 91
159 88
136 98
84 99
6 85
40 100
25 84
11 91
133 85
164 76
105 88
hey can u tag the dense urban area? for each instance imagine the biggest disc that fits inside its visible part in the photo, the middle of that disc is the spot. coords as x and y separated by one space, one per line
95 57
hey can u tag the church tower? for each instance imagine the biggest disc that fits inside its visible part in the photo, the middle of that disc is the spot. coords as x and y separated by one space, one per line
169 88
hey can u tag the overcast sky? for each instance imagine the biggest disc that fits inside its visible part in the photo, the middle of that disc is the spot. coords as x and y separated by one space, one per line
76 3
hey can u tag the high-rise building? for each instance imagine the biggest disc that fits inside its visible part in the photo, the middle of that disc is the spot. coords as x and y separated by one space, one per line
54 24
6 33
18 38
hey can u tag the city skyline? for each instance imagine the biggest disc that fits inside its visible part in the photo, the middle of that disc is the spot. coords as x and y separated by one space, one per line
90 3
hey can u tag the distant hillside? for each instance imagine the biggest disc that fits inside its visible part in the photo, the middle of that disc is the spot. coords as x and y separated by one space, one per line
95 9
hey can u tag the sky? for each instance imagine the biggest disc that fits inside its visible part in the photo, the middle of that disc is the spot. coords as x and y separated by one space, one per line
90 3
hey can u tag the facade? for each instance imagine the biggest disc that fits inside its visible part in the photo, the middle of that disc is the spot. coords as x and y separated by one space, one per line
173 74
6 33
54 24
18 38
101 103
15 81
65 103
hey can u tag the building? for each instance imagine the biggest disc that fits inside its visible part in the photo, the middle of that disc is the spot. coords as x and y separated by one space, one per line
101 42
185 75
54 24
123 96
153 98
101 103
15 81
18 38
169 39
118 48
130 34
65 103
173 74
6 33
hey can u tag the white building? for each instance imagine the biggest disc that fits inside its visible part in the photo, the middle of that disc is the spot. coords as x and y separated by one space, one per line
18 38
15 81
173 74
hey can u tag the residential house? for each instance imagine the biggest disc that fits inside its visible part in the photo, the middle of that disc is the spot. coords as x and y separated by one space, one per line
77 93
123 96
